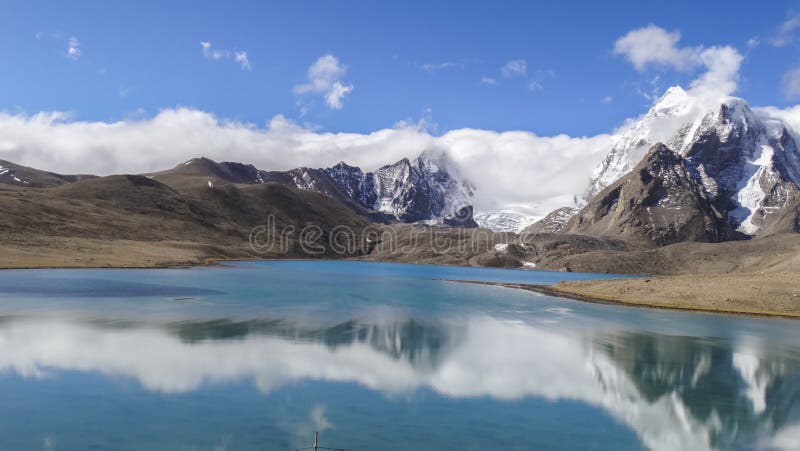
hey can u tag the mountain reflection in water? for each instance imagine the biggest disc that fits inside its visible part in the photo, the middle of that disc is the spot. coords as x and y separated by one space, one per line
675 392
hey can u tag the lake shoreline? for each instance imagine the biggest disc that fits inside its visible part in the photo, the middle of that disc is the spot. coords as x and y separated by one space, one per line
555 291
634 292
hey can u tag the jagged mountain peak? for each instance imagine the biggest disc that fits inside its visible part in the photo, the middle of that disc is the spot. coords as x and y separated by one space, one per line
344 166
344 169
662 122
674 102
435 160
677 102
425 188
659 154
403 163
731 116
735 154
658 201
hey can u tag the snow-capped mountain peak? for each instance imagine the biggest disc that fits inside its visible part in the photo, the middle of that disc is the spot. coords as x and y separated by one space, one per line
429 187
661 123
425 188
745 161
674 102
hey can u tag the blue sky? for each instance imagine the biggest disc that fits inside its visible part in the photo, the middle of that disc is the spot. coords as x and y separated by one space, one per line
404 60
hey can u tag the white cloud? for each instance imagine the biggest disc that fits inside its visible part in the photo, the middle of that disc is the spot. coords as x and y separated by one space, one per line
73 48
73 45
241 58
324 77
722 73
337 92
211 53
433 67
791 83
214 54
535 86
606 99
785 34
515 68
488 81
653 46
514 170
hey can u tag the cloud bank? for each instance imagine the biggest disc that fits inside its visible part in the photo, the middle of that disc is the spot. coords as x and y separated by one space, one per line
512 170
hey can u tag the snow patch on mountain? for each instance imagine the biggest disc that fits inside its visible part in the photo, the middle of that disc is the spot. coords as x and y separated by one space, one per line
10 176
504 221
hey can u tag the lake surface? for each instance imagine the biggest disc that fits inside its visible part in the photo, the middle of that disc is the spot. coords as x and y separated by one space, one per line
259 355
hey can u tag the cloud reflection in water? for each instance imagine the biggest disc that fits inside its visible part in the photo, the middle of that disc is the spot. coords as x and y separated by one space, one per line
674 392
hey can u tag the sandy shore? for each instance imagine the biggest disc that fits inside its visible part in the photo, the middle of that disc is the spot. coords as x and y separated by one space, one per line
763 294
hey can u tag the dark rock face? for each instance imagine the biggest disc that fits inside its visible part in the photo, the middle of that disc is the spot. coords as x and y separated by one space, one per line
340 182
425 188
737 158
657 202
403 190
780 211
408 191
354 183
462 218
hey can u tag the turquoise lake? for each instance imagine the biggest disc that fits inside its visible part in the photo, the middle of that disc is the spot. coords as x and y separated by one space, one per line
376 356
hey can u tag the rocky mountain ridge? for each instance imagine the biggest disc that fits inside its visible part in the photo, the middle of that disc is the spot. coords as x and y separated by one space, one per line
746 162
426 188
657 202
